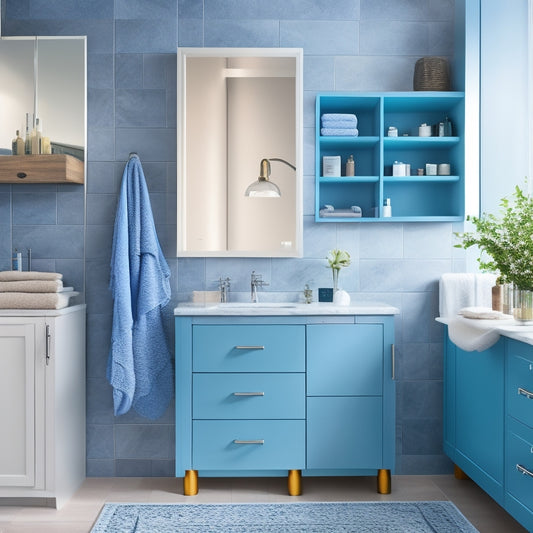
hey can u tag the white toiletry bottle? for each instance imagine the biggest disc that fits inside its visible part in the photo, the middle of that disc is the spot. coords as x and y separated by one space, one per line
350 166
387 209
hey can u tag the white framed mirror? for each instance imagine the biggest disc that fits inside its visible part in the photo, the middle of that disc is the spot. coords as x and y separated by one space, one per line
236 108
44 78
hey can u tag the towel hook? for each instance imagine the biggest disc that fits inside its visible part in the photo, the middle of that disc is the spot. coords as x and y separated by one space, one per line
132 154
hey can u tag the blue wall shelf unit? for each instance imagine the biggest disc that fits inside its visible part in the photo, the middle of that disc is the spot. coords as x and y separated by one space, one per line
414 198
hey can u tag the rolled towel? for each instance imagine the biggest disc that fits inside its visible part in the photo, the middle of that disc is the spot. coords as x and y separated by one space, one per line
348 132
15 275
346 117
29 300
32 285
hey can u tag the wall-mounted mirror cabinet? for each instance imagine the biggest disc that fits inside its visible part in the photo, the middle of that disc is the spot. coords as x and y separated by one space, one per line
43 97
238 107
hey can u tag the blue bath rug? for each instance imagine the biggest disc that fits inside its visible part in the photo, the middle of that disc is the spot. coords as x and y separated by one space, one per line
344 517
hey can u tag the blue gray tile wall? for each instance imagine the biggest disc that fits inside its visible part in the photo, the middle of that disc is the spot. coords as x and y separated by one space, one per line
349 45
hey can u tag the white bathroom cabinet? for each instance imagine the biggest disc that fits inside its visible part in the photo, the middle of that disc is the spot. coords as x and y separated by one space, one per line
42 404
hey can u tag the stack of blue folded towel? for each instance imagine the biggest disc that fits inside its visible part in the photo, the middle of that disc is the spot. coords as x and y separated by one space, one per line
339 124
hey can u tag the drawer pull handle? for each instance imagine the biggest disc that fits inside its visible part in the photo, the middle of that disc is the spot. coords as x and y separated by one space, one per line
526 393
524 471
248 394
249 347
254 441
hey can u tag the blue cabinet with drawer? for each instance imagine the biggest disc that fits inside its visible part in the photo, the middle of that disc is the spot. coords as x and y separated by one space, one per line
488 421
284 395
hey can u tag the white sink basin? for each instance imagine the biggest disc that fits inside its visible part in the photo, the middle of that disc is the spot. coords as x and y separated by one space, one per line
257 305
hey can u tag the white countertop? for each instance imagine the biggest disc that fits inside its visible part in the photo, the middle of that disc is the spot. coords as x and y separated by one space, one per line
283 309
509 328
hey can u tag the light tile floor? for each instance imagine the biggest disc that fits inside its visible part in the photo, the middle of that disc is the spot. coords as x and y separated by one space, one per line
80 513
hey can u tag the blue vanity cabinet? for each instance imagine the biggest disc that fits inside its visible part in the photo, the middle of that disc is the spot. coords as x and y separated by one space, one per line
413 198
488 421
474 414
519 432
277 395
344 396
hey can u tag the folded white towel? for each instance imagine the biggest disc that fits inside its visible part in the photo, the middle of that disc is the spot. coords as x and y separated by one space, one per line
348 132
484 313
339 124
346 117
15 275
459 290
32 300
32 285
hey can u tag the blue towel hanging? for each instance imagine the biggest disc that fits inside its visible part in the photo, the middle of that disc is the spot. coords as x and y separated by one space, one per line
140 364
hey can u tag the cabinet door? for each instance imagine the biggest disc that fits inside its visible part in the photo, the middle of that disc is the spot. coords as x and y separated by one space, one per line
21 403
344 360
479 410
344 432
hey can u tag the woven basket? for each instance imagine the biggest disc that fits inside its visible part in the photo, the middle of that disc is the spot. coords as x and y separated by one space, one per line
431 74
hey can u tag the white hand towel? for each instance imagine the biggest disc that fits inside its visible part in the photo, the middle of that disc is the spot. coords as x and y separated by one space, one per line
32 300
32 285
459 290
15 275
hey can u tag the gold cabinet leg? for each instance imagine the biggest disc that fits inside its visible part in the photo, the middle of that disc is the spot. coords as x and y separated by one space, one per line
384 482
190 483
458 473
294 482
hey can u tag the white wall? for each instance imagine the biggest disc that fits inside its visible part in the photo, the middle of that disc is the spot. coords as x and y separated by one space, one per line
505 132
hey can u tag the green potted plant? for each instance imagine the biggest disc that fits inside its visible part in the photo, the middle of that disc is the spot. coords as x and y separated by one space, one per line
506 246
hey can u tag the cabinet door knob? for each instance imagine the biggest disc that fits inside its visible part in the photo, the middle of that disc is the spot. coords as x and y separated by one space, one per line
253 441
21 175
248 394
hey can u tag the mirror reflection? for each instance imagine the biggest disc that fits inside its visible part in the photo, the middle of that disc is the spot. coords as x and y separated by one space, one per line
239 152
43 95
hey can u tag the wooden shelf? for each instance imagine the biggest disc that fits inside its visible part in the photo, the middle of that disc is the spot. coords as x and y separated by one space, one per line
53 168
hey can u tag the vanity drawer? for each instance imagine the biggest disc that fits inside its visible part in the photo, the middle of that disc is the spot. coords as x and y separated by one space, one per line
261 444
252 396
519 462
520 387
248 348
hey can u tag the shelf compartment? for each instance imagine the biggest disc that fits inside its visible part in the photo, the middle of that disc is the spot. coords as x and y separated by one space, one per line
52 168
426 198
364 194
366 109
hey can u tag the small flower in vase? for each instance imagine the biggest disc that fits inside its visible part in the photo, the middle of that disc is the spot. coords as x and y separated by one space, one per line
337 259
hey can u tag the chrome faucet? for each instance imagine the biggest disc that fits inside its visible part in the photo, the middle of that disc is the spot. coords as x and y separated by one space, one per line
223 286
256 281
